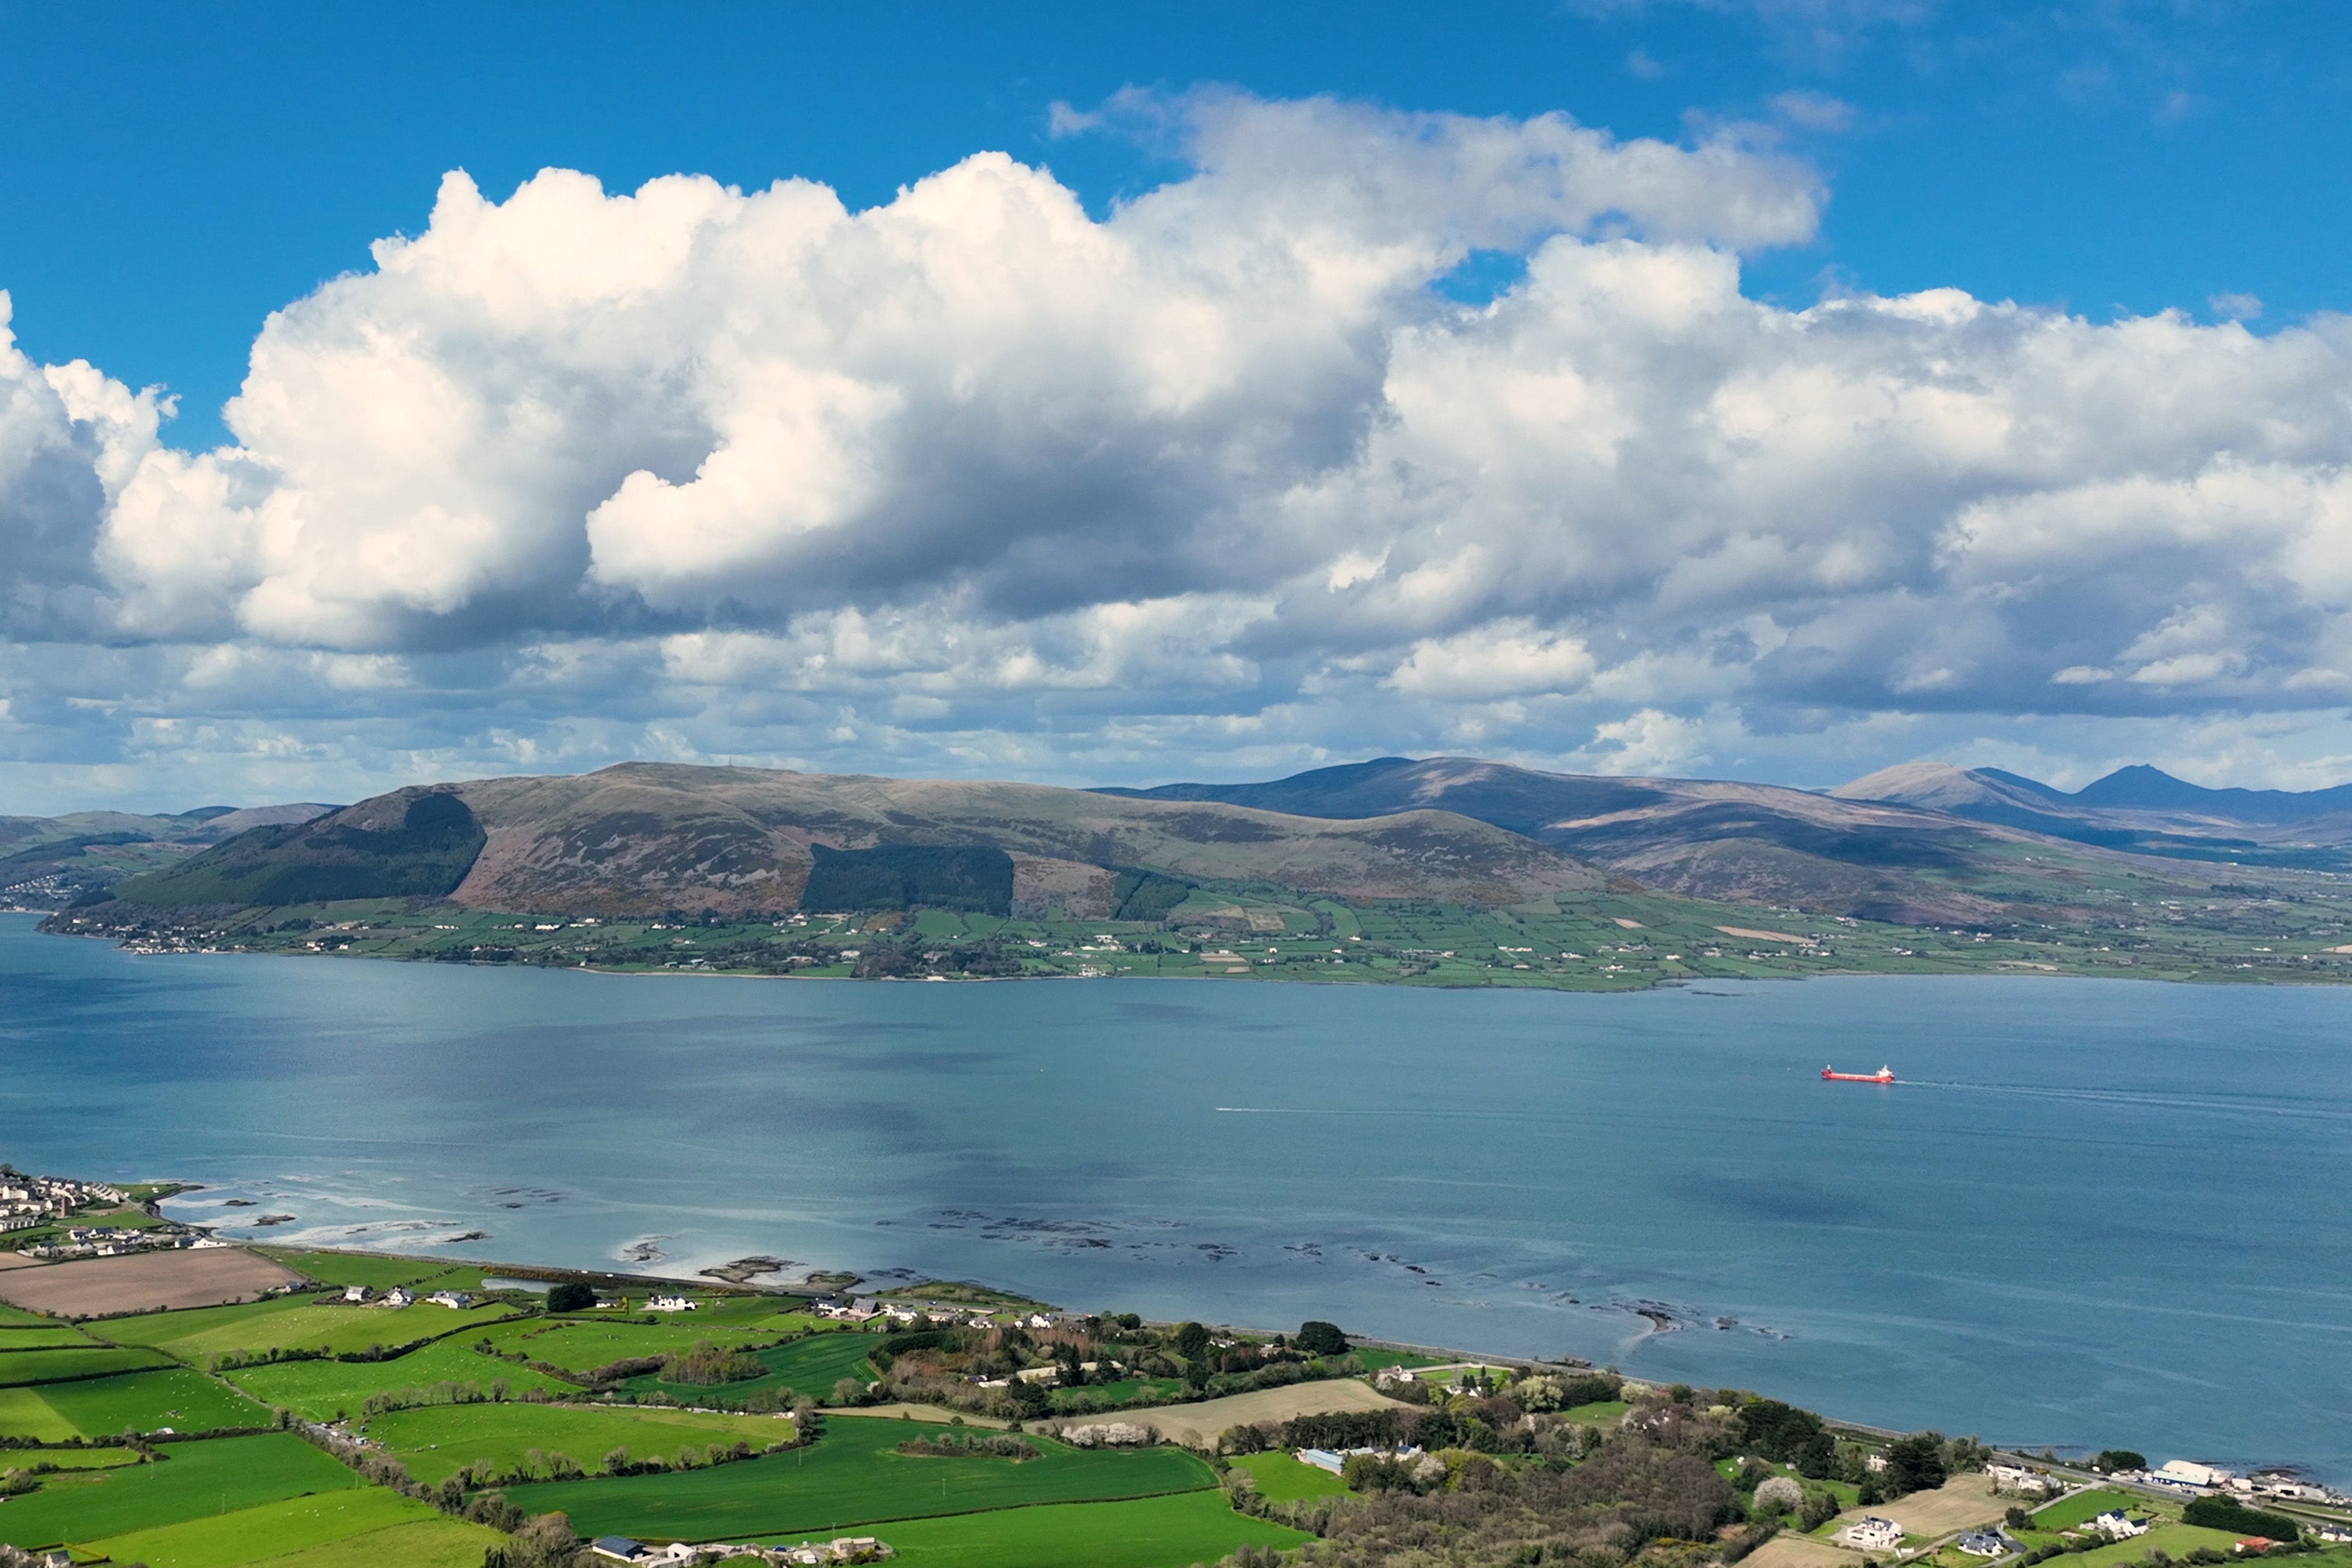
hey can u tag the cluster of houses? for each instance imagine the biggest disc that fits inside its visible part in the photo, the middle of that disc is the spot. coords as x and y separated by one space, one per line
400 1296
683 1554
866 1309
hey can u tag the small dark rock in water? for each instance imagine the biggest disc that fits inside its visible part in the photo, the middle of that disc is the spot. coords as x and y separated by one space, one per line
469 1236
238 1203
740 1271
1726 1322
275 1219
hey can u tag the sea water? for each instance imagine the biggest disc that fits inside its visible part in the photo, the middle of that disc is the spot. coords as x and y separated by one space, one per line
2093 1213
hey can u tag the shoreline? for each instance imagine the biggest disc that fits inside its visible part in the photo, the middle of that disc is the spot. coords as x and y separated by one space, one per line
2005 970
1448 1354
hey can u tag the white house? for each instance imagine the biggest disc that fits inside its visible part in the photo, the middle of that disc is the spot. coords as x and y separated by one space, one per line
2017 1478
1871 1533
1037 1320
355 1293
455 1301
2117 1525
399 1296
671 1304
1985 1543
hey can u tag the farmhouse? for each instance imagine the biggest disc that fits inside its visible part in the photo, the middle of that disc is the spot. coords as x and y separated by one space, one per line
2117 1525
455 1301
1986 1543
619 1549
355 1293
399 1296
671 1304
2018 1480
1872 1533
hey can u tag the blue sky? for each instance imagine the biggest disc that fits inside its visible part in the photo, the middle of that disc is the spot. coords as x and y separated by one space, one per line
171 183
1890 589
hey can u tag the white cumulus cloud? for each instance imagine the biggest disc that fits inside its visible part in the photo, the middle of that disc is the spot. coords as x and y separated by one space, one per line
579 472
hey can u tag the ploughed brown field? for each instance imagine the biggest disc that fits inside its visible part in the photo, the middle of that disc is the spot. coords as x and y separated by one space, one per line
1199 1423
143 1282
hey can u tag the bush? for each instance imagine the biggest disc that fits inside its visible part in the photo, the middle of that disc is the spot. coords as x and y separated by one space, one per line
2120 1459
707 1363
1318 1338
1818 1509
571 1296
1778 1495
2227 1513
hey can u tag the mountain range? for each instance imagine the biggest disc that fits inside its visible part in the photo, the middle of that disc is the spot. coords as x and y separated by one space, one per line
1920 843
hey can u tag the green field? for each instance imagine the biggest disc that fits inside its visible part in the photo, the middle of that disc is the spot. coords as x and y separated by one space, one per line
274 1529
17 1318
579 1346
183 1400
24 1367
2084 1507
436 1441
811 1366
1120 1391
2174 1539
852 1475
429 1544
25 1414
1281 1478
419 1274
48 1336
298 1325
318 1389
1151 1532
192 1480
70 1458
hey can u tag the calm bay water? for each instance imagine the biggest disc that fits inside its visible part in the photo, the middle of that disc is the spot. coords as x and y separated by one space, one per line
2095 1213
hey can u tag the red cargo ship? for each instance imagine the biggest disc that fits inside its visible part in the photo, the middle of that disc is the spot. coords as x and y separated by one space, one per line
1884 1075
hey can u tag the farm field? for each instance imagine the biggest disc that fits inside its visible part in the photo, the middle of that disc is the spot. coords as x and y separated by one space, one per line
25 1414
43 1336
852 1476
1282 1478
194 1481
143 1282
377 1271
72 1459
318 1389
2172 1539
1789 1550
296 1324
22 1367
1153 1533
274 1529
810 1366
428 1543
578 1345
1963 1500
177 1397
435 1441
1198 1424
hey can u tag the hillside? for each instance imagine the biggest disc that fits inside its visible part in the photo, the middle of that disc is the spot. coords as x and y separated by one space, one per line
642 839
1952 851
2140 809
48 862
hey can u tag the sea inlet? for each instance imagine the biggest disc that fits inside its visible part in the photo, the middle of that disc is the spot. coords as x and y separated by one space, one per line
2091 1213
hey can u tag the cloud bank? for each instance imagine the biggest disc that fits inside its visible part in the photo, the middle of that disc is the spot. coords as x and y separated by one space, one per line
1225 477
